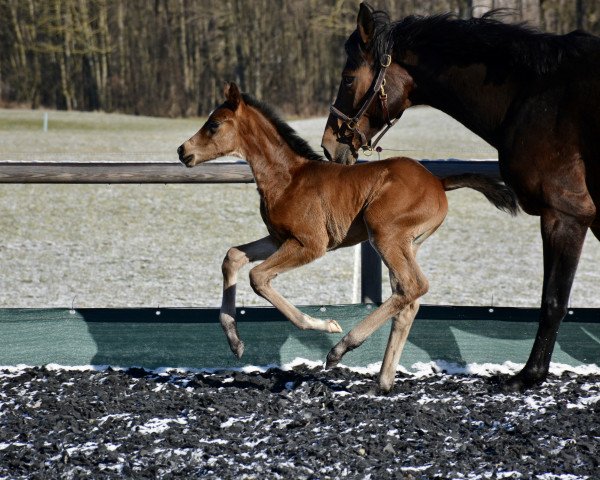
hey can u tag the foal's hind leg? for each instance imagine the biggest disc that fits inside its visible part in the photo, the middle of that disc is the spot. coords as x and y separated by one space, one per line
235 259
401 325
409 285
289 256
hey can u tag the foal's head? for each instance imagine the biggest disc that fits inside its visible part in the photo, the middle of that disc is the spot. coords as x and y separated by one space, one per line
219 136
240 127
367 51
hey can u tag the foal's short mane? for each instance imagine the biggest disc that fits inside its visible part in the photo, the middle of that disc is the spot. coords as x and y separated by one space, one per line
289 135
519 48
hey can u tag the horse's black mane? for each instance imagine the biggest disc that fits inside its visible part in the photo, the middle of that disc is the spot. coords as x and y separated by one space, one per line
500 46
289 135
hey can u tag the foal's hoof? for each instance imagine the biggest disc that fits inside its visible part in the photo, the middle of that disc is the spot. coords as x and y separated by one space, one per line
238 349
333 326
332 360
384 387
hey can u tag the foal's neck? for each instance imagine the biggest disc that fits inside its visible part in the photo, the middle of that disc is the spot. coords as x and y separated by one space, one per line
272 161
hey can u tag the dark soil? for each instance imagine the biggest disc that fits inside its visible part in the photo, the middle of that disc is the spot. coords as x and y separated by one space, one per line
303 423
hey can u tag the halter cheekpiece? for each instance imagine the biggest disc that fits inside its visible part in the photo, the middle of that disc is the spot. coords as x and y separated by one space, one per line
378 90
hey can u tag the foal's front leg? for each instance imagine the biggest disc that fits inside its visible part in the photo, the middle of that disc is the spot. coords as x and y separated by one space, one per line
235 259
290 255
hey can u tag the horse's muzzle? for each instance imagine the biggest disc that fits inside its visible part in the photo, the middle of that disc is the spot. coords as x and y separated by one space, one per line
345 155
340 153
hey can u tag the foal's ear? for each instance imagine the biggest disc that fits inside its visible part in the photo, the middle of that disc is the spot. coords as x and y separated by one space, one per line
232 94
365 23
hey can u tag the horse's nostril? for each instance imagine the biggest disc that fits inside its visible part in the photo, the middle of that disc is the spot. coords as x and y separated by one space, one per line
180 150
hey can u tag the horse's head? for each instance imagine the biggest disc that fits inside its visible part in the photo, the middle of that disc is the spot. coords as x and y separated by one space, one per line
218 137
374 89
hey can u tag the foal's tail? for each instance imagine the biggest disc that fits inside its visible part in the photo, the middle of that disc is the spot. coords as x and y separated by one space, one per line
499 194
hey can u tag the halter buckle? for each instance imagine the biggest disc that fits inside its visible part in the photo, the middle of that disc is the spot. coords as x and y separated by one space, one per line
367 150
386 61
351 125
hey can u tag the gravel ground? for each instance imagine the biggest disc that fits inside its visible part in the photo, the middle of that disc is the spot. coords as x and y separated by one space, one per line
301 422
145 245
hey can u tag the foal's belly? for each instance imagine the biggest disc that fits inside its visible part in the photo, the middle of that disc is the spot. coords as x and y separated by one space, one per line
356 233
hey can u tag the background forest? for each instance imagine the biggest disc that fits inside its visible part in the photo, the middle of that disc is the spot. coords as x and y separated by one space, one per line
171 57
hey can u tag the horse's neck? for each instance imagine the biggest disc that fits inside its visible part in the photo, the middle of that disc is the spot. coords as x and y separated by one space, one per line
464 94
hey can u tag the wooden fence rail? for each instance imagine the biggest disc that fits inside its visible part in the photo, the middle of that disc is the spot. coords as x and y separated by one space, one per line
232 172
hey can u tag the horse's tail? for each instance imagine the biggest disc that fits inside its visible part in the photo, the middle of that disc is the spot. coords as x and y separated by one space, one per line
499 194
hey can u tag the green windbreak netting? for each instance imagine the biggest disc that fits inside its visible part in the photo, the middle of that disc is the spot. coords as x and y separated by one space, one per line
193 337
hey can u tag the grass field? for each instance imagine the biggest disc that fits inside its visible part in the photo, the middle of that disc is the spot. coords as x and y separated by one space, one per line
148 245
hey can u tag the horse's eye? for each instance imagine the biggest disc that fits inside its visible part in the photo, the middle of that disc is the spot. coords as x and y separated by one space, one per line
348 80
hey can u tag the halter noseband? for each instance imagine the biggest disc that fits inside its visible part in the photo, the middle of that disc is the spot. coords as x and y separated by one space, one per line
379 90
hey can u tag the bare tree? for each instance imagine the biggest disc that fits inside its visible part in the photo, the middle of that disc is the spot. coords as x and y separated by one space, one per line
171 57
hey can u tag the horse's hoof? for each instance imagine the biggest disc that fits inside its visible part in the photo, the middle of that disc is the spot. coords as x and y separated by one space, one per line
513 385
333 326
520 382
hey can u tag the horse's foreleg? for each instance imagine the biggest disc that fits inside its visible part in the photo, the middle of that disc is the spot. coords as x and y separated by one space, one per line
235 259
289 256
401 324
563 237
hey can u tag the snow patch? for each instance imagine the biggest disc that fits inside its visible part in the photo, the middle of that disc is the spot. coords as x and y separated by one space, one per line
231 421
159 425
417 370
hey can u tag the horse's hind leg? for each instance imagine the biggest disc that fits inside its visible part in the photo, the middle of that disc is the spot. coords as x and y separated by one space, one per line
563 237
235 259
401 325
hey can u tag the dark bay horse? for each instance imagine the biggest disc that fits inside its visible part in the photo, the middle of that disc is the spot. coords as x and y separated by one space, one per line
534 96
312 206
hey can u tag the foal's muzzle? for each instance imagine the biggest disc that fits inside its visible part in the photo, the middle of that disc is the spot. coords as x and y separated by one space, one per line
182 158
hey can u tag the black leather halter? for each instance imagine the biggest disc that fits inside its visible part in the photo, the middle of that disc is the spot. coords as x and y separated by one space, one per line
351 123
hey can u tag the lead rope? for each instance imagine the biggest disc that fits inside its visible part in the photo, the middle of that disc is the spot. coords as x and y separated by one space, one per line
370 148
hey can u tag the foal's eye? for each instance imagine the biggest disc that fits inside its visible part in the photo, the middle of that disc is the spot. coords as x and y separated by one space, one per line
348 80
212 126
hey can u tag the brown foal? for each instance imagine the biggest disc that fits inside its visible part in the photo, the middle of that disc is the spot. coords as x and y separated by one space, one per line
311 206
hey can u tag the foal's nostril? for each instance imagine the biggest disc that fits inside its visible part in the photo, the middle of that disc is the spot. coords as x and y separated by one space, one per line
326 152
